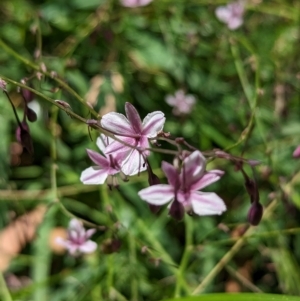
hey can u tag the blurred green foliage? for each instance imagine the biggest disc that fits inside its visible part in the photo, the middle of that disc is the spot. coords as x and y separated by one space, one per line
105 51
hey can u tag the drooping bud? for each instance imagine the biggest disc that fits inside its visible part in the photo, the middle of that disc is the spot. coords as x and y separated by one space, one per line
176 210
255 213
296 153
3 85
31 115
23 136
153 179
27 95
110 246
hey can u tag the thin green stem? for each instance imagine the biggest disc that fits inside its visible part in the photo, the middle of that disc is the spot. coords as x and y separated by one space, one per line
160 249
231 253
4 292
132 258
36 67
186 254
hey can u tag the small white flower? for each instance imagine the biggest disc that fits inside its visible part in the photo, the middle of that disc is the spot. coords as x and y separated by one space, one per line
231 14
181 102
78 239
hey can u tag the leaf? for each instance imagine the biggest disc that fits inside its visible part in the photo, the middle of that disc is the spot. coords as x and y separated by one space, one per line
239 297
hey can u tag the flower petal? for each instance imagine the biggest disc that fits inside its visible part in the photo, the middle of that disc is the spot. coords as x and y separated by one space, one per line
89 233
91 176
157 194
193 169
234 23
117 147
88 247
223 13
207 203
117 123
75 224
98 158
134 163
171 174
207 179
133 117
153 123
103 141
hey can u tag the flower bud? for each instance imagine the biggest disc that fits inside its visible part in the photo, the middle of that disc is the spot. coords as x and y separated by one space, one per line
296 153
27 95
31 115
176 210
3 85
255 213
153 179
23 136
110 246
154 208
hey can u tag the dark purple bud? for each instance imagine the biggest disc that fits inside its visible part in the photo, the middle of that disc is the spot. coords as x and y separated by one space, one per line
176 210
153 179
110 246
27 95
296 153
31 115
24 137
255 213
154 208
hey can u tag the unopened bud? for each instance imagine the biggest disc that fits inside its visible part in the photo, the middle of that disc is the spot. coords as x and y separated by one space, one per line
23 136
63 104
31 115
110 246
3 85
255 213
27 95
296 153
176 210
153 179
154 208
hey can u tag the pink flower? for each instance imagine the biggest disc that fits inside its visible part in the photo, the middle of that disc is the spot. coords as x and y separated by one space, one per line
78 239
183 188
105 166
135 3
296 153
231 14
3 85
182 103
133 132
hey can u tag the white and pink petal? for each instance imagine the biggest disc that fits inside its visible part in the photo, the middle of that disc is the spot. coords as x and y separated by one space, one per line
153 123
207 203
157 194
207 179
117 123
93 176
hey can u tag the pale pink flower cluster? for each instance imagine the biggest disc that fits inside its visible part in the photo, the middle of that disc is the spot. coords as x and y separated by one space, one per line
181 103
231 14
183 188
129 156
135 3
78 241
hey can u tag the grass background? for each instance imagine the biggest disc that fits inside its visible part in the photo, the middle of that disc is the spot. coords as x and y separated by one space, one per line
246 83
